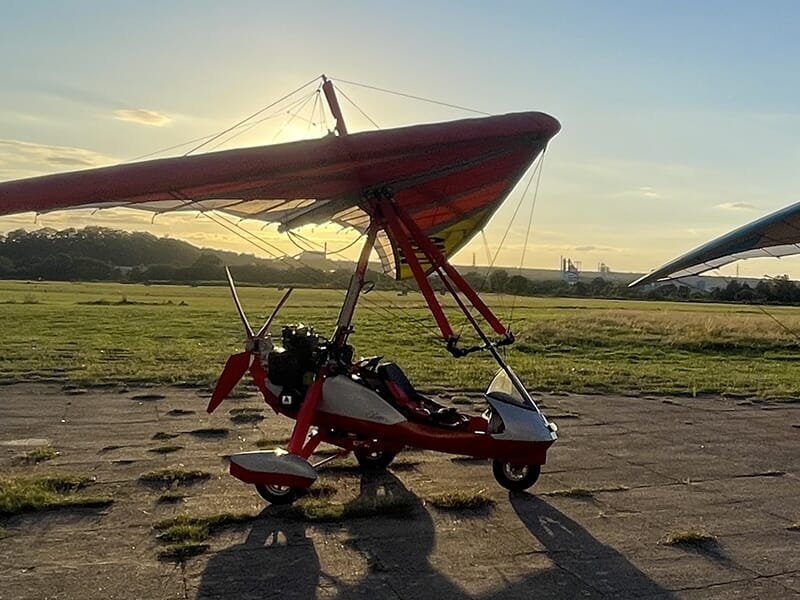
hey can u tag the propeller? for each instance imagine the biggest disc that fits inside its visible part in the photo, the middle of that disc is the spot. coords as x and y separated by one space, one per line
238 364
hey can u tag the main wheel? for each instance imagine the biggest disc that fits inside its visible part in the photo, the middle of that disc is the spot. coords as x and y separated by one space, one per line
516 478
374 460
277 494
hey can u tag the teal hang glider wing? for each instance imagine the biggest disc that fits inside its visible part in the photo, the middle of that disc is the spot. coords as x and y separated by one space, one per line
775 235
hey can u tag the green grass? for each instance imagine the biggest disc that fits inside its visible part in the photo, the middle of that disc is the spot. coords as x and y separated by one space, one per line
181 551
171 497
572 345
176 476
28 494
689 537
246 415
573 493
40 454
321 489
320 510
585 493
186 533
460 500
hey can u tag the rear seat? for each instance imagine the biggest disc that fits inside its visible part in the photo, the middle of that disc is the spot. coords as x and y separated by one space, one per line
414 405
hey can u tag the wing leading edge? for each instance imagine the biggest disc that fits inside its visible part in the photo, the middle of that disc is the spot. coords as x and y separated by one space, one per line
775 235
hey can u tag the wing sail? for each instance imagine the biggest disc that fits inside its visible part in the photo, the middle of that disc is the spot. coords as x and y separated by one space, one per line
449 177
775 235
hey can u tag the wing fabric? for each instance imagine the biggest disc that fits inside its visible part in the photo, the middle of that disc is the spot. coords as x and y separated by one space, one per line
775 235
449 177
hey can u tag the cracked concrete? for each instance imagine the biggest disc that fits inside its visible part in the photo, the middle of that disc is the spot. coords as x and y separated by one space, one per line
655 466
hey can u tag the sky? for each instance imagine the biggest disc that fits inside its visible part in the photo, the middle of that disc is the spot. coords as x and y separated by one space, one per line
680 119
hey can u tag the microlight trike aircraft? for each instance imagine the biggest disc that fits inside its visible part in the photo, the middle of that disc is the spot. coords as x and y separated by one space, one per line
416 195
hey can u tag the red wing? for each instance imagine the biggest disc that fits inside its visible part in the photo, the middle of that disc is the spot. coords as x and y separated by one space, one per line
449 177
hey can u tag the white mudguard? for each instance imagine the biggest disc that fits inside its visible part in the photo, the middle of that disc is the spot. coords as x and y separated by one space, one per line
272 467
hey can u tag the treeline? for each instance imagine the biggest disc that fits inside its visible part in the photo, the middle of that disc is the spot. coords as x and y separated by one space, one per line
103 254
776 290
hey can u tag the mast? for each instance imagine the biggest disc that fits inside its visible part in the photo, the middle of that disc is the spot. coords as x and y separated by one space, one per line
343 324
345 320
333 105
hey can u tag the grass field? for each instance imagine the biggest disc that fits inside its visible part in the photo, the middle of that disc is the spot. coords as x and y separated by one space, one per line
93 334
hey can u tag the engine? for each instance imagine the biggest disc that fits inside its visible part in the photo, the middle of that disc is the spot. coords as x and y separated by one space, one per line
294 366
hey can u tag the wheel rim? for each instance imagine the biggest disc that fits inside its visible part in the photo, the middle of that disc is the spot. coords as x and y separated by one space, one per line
515 472
278 490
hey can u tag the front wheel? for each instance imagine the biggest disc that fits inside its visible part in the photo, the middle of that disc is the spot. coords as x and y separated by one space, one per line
278 494
374 460
516 478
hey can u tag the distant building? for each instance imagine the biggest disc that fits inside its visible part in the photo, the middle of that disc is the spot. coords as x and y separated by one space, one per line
570 271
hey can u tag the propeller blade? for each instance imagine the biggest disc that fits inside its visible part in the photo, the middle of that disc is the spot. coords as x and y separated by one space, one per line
266 325
234 370
247 329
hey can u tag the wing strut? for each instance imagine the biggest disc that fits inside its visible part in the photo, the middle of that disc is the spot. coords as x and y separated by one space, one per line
438 260
389 214
413 243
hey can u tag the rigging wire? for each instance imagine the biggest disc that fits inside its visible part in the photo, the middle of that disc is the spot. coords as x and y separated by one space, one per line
255 114
255 124
347 246
358 108
313 109
255 240
493 259
291 118
528 231
209 136
411 96
167 149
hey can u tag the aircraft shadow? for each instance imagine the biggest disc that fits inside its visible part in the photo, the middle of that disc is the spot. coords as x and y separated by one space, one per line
279 560
585 568
397 550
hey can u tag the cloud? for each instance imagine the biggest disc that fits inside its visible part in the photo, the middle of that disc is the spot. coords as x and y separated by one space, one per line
23 159
736 206
596 249
142 117
648 192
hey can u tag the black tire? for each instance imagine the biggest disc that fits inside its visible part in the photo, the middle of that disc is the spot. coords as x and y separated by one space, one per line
516 478
278 494
375 460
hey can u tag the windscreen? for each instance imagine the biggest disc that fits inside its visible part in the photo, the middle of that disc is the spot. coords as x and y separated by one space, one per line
503 388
